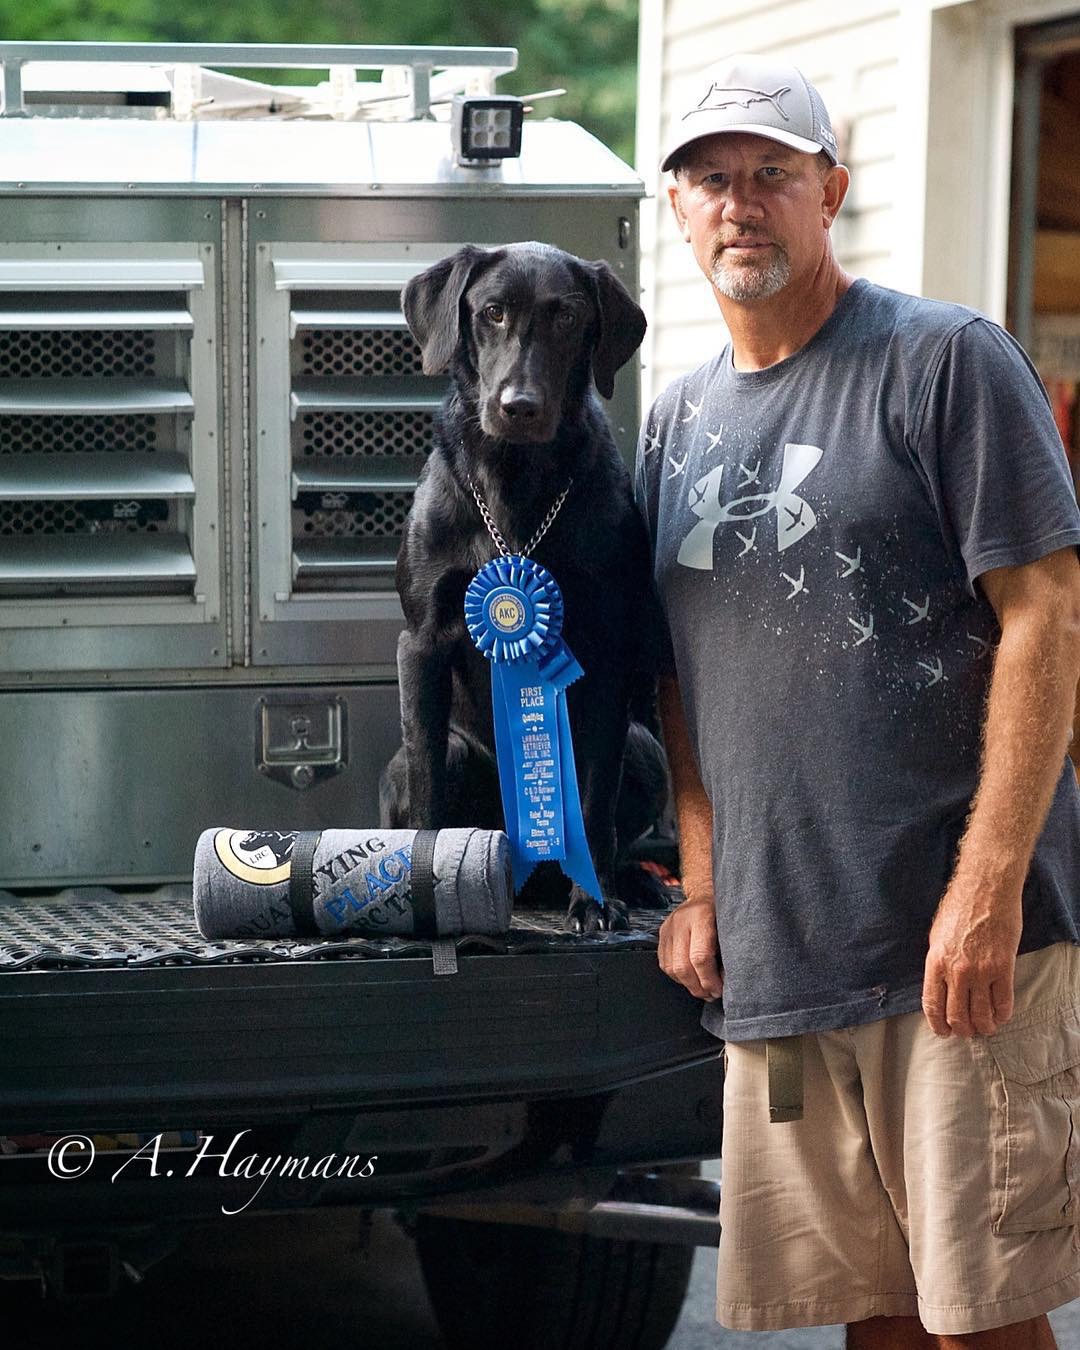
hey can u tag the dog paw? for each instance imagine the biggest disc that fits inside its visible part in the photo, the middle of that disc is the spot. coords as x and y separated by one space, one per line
586 916
647 885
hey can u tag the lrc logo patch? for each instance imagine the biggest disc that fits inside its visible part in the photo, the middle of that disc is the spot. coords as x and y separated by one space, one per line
262 857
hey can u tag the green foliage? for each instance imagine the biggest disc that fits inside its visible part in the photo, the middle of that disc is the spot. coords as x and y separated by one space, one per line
588 47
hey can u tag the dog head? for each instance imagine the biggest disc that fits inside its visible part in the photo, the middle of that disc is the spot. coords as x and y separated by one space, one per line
523 328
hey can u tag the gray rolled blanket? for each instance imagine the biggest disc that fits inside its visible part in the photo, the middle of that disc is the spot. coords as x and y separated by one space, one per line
285 883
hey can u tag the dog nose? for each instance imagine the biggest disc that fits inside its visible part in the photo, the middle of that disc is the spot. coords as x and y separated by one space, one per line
519 405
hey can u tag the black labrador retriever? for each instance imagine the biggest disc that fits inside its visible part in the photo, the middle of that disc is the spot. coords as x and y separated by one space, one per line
525 330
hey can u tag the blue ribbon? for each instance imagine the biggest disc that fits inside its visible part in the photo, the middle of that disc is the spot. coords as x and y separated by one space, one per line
514 613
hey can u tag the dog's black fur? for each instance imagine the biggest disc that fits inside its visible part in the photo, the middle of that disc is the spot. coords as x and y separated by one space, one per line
525 330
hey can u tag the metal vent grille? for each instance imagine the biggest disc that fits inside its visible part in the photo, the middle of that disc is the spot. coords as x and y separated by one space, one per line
73 352
361 414
366 433
364 351
76 435
352 515
74 517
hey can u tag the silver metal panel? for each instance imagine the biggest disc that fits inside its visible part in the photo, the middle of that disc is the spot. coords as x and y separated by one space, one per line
179 650
353 395
81 560
115 785
326 159
108 273
376 474
74 319
106 222
386 272
349 630
343 557
86 396
94 477
345 318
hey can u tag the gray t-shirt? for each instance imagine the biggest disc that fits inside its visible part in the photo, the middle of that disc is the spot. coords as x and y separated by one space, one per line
817 529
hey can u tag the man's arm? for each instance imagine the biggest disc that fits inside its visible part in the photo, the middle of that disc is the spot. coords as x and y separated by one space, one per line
689 949
968 985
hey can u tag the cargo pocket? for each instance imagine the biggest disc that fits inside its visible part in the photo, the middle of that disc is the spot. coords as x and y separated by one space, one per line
1035 1157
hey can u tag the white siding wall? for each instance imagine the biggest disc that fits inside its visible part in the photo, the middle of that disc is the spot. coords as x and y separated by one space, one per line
850 50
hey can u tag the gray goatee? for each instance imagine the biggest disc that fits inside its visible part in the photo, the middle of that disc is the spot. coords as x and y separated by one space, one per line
751 280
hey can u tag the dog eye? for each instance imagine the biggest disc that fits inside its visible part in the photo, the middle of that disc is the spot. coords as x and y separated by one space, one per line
566 319
494 313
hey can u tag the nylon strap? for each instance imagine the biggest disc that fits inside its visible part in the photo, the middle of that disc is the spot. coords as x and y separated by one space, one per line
422 885
444 955
784 1056
302 882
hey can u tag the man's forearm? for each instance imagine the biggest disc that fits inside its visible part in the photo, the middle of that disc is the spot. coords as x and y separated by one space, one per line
693 809
1074 748
1030 712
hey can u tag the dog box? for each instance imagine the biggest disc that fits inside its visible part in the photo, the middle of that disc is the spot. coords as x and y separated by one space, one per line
212 417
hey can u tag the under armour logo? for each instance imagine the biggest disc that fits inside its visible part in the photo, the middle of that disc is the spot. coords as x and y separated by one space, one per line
794 516
727 97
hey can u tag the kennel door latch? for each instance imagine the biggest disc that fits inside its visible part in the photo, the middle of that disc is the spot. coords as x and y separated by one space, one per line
300 740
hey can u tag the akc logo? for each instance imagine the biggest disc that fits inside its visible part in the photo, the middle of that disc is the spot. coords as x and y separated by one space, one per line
506 612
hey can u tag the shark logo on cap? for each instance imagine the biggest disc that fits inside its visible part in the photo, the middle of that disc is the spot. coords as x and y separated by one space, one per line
750 96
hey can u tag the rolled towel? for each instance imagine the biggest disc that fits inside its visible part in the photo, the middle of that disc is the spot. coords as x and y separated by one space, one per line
355 882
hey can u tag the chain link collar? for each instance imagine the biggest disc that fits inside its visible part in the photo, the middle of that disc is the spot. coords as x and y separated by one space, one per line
493 529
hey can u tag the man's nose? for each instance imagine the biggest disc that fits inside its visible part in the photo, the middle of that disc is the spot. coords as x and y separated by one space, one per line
742 204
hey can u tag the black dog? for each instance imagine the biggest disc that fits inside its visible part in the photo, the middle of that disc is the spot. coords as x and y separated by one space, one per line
525 330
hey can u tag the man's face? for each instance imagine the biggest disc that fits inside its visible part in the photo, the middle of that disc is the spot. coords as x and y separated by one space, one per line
755 212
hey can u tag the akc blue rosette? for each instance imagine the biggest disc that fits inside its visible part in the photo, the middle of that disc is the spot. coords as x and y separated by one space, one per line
514 614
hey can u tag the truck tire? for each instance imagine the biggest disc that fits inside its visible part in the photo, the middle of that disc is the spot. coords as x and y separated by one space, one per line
492 1285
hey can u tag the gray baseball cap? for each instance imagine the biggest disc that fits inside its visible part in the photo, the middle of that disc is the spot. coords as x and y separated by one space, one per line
749 93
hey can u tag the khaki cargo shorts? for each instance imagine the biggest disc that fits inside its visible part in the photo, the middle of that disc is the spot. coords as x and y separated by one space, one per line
937 1178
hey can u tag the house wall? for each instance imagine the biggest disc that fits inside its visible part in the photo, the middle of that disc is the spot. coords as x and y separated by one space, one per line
850 52
921 96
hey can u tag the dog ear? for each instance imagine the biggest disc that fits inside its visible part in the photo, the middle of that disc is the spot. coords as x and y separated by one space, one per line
431 303
621 325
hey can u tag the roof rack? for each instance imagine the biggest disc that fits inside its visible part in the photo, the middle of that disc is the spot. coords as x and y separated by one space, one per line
418 63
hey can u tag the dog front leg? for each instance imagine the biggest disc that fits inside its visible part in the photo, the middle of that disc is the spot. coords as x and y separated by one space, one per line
599 763
424 683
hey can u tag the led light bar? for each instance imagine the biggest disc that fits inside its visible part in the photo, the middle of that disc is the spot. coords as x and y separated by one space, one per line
486 129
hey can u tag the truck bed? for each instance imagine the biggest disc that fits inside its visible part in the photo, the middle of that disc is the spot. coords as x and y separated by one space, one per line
545 1053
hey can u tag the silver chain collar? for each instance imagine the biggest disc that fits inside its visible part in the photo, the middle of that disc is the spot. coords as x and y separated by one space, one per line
493 529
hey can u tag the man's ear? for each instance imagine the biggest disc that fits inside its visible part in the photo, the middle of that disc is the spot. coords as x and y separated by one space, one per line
676 207
620 326
834 190
431 303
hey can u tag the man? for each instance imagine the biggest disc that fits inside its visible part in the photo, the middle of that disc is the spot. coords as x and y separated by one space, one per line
865 540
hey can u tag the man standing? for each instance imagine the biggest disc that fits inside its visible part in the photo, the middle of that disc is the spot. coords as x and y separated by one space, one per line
865 539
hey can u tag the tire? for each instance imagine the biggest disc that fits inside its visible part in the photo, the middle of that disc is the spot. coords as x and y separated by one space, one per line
496 1285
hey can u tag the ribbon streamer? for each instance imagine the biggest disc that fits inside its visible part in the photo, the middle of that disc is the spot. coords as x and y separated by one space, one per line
514 613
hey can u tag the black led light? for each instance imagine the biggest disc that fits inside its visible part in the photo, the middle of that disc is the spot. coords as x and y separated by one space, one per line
485 129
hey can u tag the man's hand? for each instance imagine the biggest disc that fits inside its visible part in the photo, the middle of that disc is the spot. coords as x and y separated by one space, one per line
968 982
689 949
968 979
